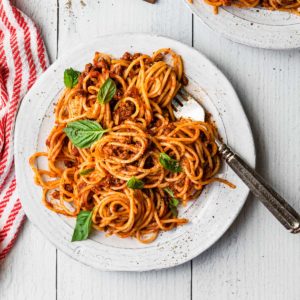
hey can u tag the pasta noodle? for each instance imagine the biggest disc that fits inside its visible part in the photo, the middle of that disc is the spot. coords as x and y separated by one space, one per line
144 162
292 6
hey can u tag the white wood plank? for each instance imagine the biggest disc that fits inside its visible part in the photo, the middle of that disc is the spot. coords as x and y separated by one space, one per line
257 258
29 271
44 14
76 281
79 24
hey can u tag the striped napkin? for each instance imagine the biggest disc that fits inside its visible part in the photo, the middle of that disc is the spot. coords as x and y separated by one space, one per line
22 59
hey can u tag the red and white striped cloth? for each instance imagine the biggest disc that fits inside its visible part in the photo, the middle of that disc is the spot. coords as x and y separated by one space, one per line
22 59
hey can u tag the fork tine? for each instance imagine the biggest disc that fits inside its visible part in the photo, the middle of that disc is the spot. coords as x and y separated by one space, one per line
187 106
186 95
174 107
179 99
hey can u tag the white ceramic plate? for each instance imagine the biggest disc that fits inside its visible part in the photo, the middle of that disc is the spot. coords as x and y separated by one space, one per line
209 216
256 27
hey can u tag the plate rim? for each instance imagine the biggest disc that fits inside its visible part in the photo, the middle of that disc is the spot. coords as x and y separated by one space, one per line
235 38
18 163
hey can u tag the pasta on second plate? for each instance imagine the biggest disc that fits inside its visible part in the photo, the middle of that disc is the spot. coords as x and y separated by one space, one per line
292 6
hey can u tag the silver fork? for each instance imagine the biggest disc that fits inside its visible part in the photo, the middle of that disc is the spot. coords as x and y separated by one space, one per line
185 105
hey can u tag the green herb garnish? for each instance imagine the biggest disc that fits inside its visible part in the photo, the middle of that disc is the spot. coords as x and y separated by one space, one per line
71 77
83 226
86 171
84 133
134 183
169 191
107 91
173 202
169 163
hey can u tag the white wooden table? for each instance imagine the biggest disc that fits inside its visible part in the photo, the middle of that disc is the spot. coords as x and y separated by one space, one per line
256 258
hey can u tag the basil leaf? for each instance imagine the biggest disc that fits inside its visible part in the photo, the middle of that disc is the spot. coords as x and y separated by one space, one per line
174 211
134 183
173 202
71 77
107 91
83 226
169 163
169 191
84 133
86 171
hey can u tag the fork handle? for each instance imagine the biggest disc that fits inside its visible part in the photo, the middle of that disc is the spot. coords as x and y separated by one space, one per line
284 213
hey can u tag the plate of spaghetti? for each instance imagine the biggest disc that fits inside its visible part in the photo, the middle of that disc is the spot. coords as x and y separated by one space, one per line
269 24
108 173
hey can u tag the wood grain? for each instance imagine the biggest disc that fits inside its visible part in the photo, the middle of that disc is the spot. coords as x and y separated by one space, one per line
256 258
80 23
29 271
44 14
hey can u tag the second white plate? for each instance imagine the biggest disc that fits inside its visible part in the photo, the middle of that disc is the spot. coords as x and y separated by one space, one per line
209 216
256 27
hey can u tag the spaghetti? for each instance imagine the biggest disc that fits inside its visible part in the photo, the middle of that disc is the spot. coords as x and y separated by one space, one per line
292 6
143 163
